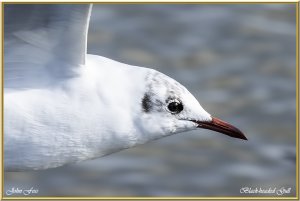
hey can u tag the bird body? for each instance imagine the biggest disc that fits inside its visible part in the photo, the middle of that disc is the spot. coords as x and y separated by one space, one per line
90 115
75 119
61 109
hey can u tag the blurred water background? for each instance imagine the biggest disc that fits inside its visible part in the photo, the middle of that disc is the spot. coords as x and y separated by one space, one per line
238 61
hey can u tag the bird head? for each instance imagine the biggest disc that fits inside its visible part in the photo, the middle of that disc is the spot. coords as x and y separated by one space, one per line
168 108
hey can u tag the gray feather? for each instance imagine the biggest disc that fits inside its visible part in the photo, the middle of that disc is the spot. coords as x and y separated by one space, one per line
43 41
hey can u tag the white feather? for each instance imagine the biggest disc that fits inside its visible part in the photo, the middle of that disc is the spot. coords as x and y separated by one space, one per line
59 109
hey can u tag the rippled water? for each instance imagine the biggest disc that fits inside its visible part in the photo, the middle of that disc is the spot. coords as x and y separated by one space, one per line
239 62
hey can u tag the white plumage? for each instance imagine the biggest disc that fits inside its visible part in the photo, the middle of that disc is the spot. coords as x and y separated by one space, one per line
62 105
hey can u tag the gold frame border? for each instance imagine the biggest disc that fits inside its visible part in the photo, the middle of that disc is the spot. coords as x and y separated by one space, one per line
154 2
150 198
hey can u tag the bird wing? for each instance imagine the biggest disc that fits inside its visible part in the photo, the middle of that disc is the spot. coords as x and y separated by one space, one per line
43 42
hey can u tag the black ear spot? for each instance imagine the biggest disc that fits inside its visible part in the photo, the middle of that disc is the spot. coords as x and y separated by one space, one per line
146 103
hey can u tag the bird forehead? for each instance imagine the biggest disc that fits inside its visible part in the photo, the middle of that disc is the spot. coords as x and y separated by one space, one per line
159 83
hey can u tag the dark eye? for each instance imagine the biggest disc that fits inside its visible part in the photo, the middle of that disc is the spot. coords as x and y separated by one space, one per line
175 107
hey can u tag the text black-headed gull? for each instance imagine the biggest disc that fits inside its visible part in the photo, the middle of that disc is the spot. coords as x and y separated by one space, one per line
62 105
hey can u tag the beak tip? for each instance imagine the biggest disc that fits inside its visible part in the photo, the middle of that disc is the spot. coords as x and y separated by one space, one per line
244 138
238 134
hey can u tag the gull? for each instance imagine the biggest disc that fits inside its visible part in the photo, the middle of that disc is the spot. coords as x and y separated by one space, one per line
62 105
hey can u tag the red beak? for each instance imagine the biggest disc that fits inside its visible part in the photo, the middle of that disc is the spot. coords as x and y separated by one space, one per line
222 127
